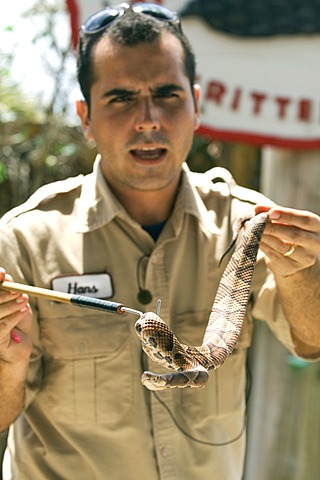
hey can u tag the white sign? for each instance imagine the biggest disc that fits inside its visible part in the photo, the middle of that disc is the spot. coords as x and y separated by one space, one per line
261 91
264 91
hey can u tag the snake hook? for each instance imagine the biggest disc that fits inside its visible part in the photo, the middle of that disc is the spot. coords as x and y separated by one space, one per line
158 307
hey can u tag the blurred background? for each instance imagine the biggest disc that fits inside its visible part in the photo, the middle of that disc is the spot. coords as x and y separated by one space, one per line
259 69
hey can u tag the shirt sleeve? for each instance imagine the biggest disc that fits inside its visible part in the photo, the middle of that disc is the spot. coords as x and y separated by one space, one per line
268 308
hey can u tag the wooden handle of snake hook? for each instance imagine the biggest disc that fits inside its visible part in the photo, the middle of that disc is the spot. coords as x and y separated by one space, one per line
78 300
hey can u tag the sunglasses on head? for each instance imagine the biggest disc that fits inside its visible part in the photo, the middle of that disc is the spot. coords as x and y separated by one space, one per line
103 19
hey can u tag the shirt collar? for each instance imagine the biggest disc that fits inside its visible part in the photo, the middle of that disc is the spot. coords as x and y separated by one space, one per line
98 206
190 202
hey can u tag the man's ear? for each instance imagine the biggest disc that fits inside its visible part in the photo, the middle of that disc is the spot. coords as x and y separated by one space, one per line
197 97
83 114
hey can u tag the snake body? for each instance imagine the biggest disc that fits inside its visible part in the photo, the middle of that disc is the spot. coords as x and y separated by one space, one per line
190 364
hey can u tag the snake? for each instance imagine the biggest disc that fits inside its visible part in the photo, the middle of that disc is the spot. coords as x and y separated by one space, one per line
189 365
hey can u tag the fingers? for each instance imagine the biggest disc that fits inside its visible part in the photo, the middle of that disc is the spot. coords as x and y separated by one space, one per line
13 312
285 235
15 323
4 276
293 227
285 265
291 240
13 302
300 219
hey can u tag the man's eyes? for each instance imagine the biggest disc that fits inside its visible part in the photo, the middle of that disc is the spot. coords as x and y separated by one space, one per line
158 95
122 99
166 95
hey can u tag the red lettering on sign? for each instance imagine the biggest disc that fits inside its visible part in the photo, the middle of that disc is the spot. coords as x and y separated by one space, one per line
235 98
215 91
235 102
304 110
258 99
282 102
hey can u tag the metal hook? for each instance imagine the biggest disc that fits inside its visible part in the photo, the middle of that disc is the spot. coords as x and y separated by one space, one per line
131 310
158 307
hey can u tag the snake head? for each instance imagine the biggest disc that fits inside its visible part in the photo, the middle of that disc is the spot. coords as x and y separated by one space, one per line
160 344
151 329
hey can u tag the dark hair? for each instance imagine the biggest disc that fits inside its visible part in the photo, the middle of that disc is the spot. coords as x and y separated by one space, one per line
129 30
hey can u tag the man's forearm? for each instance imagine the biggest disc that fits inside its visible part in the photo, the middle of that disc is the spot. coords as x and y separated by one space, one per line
291 243
300 298
12 391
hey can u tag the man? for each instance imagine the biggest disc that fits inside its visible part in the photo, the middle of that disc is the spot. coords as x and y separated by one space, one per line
142 227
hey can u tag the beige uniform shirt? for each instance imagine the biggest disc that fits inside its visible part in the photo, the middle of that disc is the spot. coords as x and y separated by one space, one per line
87 416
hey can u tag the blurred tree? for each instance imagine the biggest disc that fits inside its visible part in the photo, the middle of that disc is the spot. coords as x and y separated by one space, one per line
37 145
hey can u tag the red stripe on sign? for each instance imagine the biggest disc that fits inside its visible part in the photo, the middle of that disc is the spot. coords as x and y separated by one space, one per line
258 139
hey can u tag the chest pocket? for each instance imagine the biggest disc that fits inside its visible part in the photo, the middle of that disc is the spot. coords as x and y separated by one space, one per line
83 354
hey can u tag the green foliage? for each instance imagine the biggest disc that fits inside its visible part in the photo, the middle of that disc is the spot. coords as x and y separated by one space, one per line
37 145
35 148
2 173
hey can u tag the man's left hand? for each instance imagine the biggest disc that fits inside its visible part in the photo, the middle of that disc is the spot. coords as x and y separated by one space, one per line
291 240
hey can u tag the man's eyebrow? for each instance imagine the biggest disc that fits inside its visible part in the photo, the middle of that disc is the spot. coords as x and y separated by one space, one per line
115 92
167 88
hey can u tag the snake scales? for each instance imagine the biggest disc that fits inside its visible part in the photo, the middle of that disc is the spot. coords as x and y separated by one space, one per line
190 363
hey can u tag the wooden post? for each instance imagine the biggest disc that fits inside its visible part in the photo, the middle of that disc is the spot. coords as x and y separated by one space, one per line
292 178
284 409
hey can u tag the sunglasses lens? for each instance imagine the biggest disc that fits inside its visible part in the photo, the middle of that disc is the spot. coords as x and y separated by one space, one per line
100 20
156 11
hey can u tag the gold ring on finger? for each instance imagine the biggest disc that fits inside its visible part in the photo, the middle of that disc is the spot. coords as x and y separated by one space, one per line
292 248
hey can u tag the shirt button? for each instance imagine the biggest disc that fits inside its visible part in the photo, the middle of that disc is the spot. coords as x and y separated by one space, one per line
164 452
155 258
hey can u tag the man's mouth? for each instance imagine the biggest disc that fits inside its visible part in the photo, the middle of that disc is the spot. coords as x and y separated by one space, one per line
148 153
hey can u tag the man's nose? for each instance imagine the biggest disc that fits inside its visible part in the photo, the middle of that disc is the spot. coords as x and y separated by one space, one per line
147 117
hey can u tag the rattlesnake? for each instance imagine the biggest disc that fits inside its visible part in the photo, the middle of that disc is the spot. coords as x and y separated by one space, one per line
191 364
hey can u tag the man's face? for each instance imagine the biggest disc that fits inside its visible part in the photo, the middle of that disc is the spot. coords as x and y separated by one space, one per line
142 114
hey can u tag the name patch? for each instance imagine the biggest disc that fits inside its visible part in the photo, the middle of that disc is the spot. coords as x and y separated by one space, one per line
97 285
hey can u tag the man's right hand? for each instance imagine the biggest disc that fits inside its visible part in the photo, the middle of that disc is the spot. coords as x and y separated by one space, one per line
15 324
